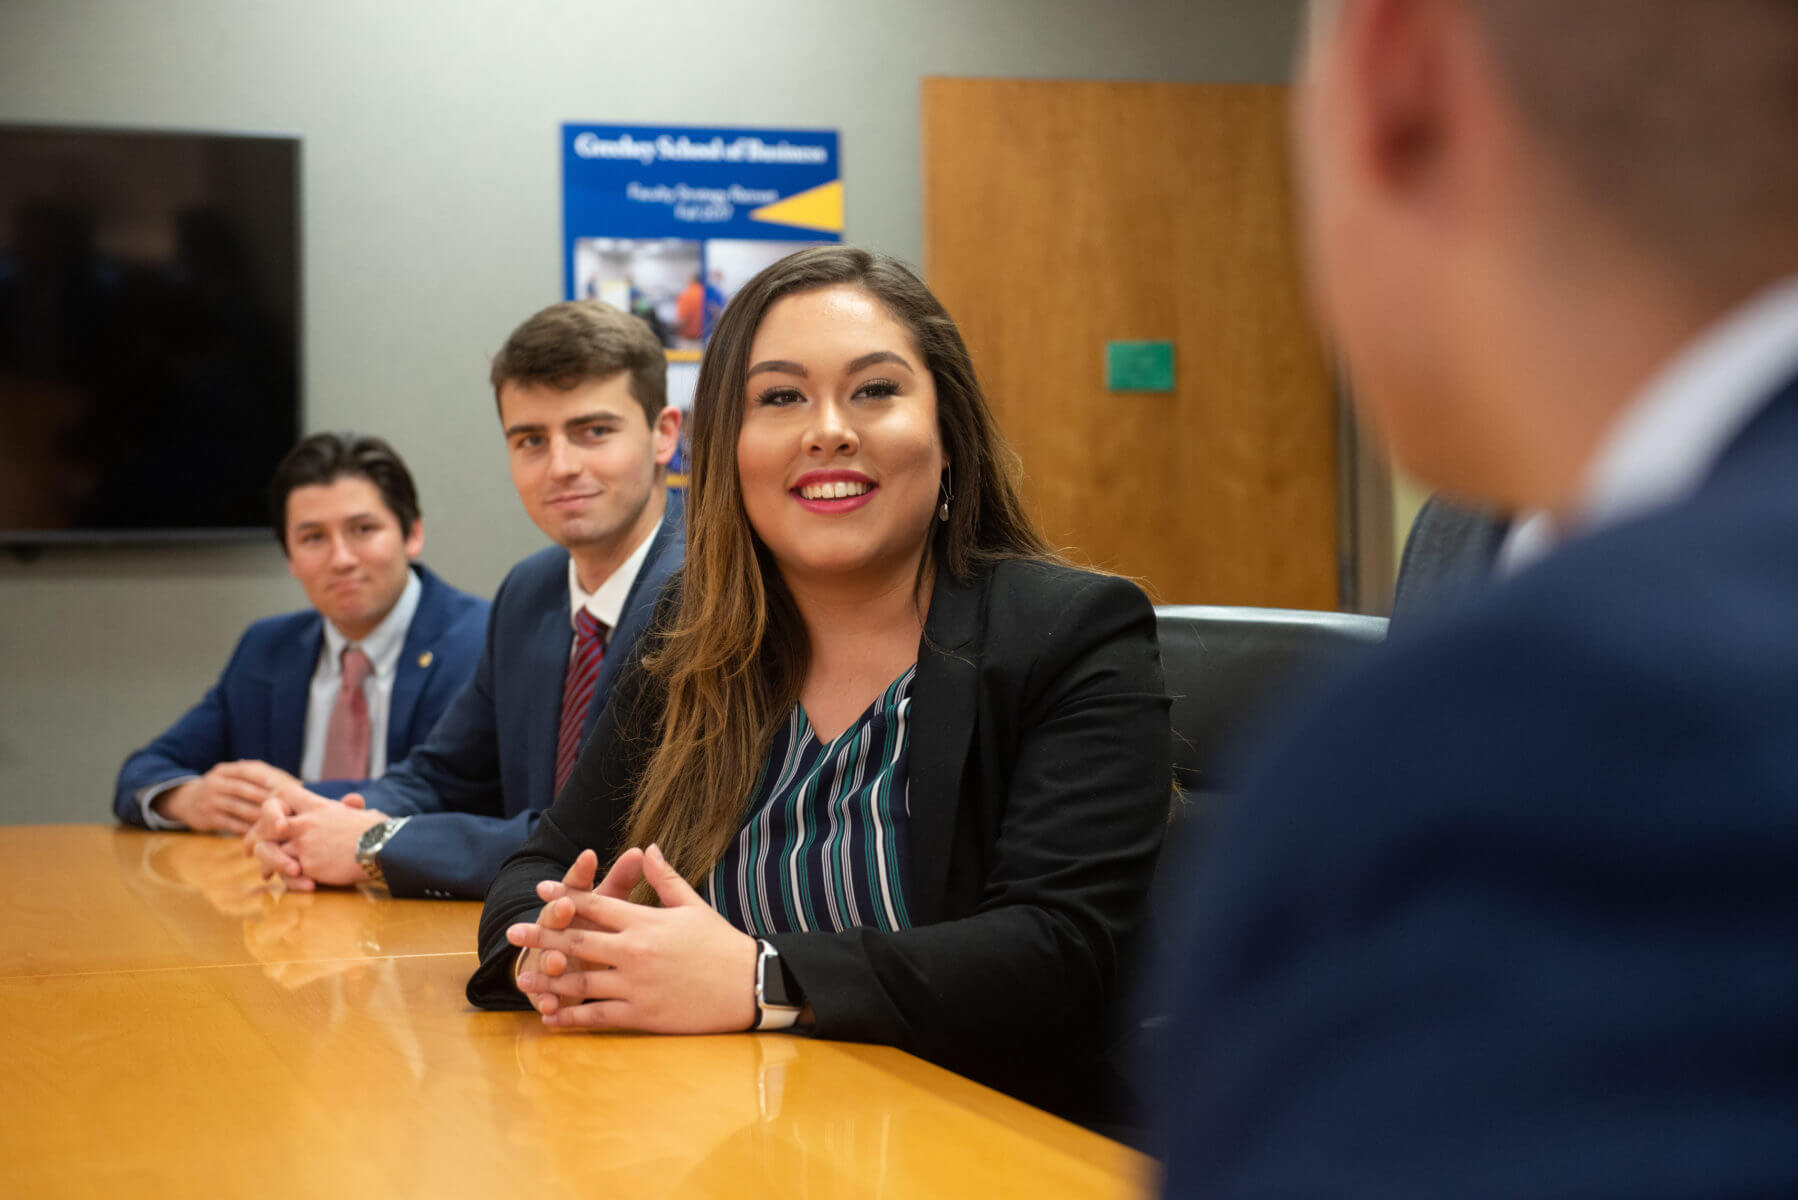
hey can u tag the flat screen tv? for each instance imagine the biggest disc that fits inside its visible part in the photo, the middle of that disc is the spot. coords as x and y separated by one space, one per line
149 332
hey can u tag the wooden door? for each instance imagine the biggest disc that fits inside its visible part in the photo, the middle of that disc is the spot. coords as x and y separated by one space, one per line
1063 215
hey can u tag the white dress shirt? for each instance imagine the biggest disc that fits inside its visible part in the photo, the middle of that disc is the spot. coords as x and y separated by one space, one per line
1668 439
606 602
383 646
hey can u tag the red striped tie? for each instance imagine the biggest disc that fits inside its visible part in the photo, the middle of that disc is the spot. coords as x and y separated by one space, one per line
577 690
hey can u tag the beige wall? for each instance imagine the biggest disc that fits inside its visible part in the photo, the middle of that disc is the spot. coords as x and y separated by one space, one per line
1407 497
432 225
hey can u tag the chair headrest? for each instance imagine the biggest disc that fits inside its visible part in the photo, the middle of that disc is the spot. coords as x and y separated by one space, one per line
1229 668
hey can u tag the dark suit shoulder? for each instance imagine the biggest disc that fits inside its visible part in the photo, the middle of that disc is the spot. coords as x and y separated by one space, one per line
1700 590
268 636
1044 619
1035 607
1055 593
533 581
438 594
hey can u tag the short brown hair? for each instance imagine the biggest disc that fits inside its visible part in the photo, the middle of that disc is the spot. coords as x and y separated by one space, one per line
1678 119
325 458
568 344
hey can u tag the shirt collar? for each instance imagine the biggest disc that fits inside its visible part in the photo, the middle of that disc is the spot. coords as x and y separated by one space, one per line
386 640
606 603
1659 451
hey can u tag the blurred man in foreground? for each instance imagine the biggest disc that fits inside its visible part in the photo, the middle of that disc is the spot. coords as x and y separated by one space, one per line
1512 912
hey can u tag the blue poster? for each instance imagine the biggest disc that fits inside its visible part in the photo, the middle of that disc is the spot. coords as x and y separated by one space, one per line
669 222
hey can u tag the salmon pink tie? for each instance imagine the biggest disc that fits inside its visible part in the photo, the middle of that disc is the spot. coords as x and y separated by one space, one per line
577 690
346 737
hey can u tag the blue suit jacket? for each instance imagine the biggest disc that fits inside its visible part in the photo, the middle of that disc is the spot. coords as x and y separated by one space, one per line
1515 913
257 709
489 767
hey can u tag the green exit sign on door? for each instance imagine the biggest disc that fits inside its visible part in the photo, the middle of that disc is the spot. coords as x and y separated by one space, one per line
1139 366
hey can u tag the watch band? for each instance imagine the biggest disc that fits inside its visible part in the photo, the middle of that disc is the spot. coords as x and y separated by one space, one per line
373 840
775 1006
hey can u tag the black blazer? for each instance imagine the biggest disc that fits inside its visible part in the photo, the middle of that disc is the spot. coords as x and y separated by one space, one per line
1040 779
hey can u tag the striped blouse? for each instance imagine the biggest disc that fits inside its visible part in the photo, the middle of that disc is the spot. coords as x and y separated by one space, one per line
824 840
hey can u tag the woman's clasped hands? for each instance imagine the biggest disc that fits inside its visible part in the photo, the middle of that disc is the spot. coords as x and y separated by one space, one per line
596 960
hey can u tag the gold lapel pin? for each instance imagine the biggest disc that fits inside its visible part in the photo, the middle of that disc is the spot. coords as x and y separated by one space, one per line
424 660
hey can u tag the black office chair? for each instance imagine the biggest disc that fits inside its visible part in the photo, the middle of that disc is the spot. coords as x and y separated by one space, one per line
1229 668
1231 671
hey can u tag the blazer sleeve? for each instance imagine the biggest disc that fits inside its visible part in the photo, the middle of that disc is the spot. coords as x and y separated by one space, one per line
451 855
195 744
1029 972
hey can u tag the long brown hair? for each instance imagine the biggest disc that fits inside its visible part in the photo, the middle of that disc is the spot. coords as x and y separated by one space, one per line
733 656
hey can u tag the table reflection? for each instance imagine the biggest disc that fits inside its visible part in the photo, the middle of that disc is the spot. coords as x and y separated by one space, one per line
299 937
160 865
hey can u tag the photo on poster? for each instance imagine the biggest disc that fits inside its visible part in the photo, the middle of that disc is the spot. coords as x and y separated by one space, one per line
730 264
646 276
683 381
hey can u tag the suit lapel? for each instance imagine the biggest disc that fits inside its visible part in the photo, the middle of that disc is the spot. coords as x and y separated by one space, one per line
944 697
414 668
665 555
289 684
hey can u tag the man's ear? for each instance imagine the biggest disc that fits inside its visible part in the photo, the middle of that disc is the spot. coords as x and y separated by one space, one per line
1400 58
415 538
666 435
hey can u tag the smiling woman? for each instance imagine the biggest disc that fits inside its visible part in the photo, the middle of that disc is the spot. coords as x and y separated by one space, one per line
888 770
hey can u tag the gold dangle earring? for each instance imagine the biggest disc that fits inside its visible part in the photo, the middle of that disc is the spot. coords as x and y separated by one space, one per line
942 509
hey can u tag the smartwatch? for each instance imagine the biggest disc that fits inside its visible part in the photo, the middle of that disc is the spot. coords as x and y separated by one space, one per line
778 1001
370 844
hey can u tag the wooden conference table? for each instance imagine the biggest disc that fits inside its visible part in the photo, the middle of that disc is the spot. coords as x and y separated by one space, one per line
173 1026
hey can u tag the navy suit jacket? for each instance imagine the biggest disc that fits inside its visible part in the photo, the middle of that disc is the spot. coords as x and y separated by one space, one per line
478 782
1515 913
257 709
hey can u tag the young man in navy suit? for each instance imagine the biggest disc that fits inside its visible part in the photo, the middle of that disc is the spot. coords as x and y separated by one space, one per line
1513 912
345 511
582 394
